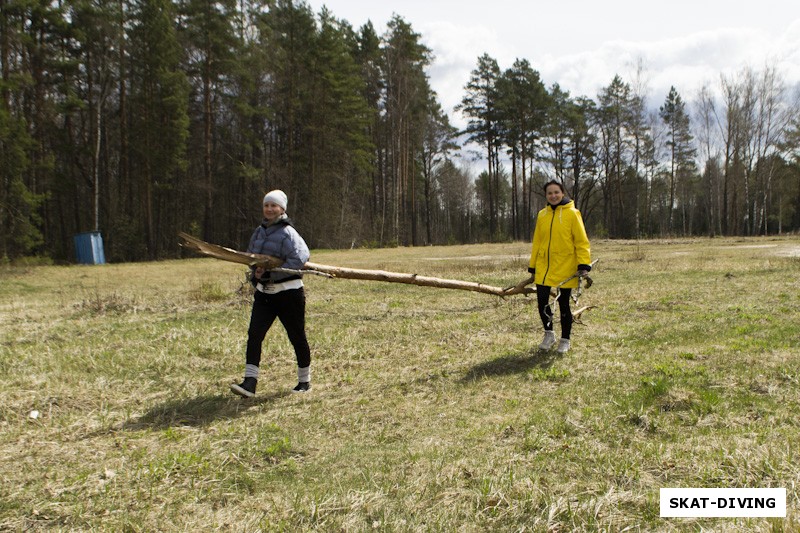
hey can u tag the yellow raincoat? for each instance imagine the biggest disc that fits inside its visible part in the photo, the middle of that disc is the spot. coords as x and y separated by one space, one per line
560 244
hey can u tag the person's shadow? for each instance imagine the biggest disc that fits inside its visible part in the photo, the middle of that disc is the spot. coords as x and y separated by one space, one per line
515 363
198 411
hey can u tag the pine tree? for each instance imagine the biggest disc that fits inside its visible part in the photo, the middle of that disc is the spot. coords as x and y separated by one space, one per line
289 33
34 60
407 96
159 118
369 57
480 106
209 46
244 138
341 148
522 108
613 119
437 144
571 140
679 144
19 215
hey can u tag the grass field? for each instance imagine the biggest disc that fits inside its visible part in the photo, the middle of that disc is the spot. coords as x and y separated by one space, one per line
431 409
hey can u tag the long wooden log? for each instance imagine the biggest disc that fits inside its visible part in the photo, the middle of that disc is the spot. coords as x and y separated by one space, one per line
409 279
266 261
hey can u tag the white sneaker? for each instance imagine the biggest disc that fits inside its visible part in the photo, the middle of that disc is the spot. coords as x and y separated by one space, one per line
563 346
548 341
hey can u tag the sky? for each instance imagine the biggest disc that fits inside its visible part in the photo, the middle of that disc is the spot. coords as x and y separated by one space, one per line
583 44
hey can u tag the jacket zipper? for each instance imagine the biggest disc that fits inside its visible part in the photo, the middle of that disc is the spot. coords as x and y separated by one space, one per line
549 244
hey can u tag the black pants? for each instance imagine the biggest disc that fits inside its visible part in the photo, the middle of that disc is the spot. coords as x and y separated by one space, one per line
288 306
546 313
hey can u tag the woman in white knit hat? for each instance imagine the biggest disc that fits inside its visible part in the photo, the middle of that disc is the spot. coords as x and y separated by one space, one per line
278 294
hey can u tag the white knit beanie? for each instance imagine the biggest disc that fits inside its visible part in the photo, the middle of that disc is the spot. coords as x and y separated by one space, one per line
276 197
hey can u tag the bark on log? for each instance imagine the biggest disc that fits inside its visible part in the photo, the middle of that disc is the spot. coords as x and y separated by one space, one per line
235 256
227 254
412 279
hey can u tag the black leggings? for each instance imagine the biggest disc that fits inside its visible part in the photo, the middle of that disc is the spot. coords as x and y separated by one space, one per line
288 306
546 313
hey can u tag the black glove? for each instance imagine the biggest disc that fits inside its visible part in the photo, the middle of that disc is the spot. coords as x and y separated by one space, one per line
254 280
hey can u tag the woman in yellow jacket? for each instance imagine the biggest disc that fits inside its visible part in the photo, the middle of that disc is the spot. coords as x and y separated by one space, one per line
560 250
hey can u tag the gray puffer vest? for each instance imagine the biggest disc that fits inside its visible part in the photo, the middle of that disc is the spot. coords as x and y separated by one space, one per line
281 240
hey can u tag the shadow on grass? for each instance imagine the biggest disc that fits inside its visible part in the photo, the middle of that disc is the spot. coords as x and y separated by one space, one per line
198 411
511 364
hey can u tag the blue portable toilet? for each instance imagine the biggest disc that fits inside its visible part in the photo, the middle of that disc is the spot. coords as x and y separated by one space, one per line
89 248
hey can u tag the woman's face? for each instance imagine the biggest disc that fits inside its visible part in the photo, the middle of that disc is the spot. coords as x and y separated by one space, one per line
554 194
272 211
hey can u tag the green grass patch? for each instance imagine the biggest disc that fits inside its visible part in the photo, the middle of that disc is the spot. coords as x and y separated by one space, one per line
431 410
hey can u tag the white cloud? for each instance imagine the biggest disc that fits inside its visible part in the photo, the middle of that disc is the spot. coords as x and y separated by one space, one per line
686 62
582 44
457 49
786 52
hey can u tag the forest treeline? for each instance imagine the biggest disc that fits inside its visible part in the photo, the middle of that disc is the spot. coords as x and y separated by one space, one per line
143 118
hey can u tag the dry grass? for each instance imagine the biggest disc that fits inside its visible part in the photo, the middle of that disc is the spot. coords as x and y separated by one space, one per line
431 409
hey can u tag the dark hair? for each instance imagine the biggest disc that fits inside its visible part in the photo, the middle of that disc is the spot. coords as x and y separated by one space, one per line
554 182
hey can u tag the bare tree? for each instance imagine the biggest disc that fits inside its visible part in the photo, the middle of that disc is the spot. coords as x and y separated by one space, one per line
705 133
772 119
